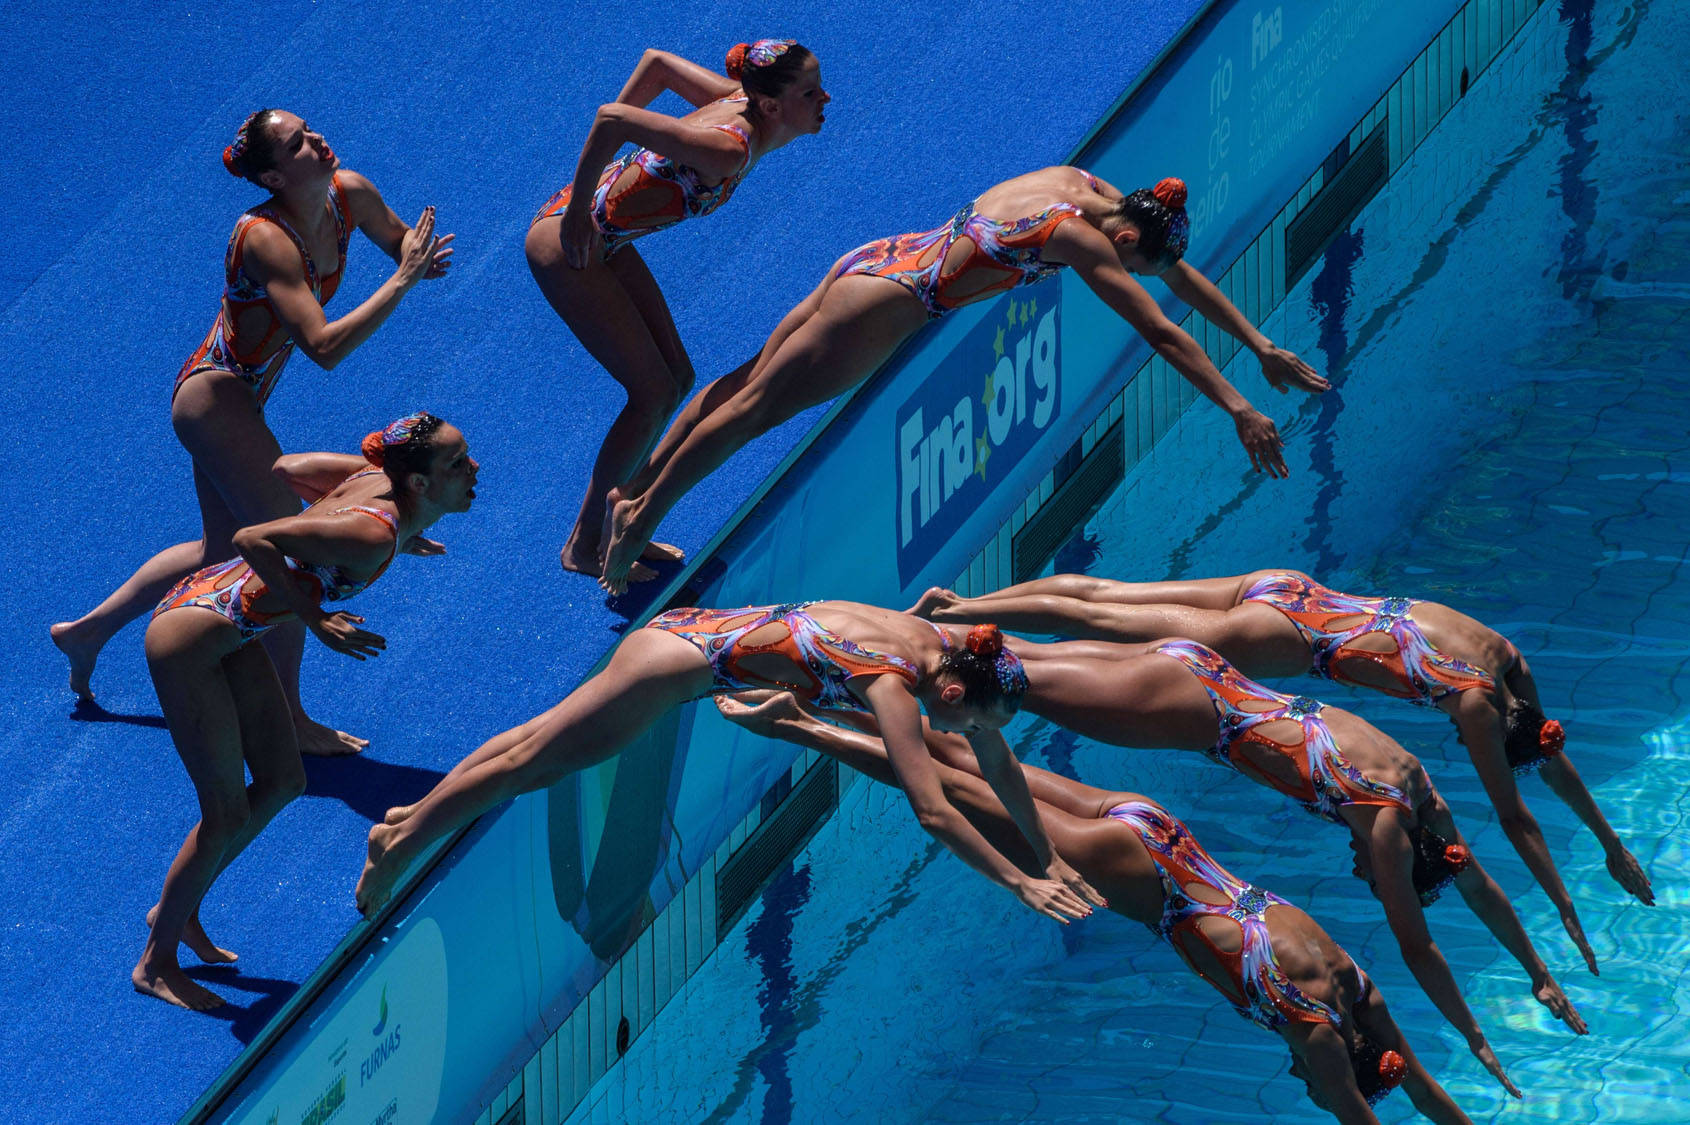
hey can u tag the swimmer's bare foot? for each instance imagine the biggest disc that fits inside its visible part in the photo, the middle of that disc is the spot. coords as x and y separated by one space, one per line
622 548
320 741
935 603
761 711
663 553
580 563
81 653
383 864
398 814
195 938
160 976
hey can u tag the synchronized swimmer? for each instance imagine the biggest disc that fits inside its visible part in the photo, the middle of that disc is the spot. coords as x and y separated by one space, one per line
1015 233
285 260
914 699
580 246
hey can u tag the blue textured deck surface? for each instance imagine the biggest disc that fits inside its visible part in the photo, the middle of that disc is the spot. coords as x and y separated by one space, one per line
1506 326
117 211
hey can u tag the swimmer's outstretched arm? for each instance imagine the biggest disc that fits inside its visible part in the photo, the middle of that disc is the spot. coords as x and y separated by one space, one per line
1282 368
1094 259
1002 771
1392 859
1374 1019
1487 901
1561 777
899 717
1477 717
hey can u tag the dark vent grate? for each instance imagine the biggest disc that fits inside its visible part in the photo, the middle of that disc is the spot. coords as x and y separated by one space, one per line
514 1115
1334 205
772 843
1073 502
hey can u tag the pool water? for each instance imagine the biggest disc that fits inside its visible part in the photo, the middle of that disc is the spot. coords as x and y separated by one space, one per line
1506 326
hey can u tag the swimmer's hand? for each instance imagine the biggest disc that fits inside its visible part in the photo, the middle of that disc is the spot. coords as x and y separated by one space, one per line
582 244
418 251
340 632
1549 994
1052 899
426 548
1570 921
1628 873
1060 872
1284 371
1261 440
1485 1055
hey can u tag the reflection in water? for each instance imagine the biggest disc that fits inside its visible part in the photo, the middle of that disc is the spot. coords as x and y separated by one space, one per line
1329 297
769 941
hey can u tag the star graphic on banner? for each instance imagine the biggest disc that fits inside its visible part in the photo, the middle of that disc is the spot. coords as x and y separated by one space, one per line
991 388
1032 309
982 450
997 344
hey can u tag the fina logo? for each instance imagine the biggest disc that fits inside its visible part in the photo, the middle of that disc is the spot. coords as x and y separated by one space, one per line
972 419
383 1050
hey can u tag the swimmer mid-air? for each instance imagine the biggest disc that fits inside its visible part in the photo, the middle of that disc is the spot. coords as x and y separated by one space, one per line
1281 622
837 655
580 248
1271 961
1017 232
219 692
1178 694
284 262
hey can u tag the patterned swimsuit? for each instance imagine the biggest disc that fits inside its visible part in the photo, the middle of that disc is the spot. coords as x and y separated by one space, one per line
232 345
660 194
1009 250
1327 780
824 661
1258 989
1420 672
233 590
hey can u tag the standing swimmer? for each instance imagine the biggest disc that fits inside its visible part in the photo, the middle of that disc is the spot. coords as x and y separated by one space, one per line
284 262
220 695
580 244
1282 622
1016 233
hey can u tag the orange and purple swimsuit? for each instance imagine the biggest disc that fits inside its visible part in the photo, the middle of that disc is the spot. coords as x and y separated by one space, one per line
1422 673
233 590
1329 781
1008 250
256 355
660 194
824 663
1258 989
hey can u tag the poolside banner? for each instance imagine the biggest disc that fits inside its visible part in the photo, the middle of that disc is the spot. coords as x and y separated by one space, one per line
964 427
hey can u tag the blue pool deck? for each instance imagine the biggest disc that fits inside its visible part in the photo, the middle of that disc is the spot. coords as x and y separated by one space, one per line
118 212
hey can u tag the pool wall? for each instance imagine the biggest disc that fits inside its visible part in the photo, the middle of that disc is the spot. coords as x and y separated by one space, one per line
549 937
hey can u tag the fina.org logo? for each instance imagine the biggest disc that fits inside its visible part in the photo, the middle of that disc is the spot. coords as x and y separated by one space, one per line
972 420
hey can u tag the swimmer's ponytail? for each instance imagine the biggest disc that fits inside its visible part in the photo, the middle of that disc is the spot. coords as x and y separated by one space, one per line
766 67
1436 862
1529 739
1164 229
1170 193
254 150
990 675
404 446
1377 1069
985 640
735 66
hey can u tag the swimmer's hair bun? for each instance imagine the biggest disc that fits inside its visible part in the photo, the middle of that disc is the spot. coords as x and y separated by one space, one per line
1170 193
1458 858
229 162
1552 737
985 640
736 60
374 452
1392 1069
